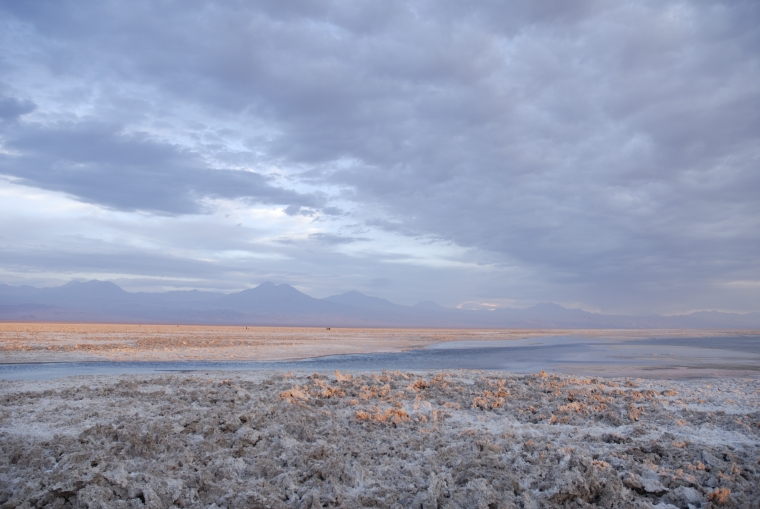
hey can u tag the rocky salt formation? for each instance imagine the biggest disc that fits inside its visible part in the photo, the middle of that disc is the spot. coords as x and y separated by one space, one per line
450 439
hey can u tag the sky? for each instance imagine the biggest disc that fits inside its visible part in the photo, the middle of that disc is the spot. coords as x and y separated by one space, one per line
482 154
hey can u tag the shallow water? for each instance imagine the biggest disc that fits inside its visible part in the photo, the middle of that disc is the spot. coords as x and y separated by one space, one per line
518 356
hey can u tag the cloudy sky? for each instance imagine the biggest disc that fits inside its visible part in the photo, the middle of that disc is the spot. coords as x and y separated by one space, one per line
602 154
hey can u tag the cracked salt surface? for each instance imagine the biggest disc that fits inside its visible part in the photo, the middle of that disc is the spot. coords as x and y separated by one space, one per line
390 439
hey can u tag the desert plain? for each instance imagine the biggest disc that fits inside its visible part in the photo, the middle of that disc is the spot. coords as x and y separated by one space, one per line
414 438
62 342
73 342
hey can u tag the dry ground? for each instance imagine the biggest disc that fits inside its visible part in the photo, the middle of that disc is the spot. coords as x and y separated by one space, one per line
441 439
43 342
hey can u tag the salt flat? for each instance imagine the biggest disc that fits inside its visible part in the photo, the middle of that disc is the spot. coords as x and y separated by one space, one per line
648 419
29 351
393 439
56 342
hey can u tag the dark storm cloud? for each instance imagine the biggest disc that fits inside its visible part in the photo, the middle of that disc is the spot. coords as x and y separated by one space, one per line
608 144
96 162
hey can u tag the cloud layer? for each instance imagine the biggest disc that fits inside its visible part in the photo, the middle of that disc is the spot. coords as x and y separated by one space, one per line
600 153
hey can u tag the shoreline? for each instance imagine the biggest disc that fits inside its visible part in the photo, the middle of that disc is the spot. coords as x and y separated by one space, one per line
30 351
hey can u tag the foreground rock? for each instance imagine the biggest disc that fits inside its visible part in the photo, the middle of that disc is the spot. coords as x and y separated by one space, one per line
453 439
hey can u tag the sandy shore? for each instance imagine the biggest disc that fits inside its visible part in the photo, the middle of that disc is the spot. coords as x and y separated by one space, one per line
447 439
42 342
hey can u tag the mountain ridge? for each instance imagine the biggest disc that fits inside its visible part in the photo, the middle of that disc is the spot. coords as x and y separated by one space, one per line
272 304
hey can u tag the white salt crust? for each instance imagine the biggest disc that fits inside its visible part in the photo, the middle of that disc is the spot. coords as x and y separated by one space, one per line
434 439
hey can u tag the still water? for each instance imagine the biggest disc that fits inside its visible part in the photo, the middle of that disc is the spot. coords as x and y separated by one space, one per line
518 356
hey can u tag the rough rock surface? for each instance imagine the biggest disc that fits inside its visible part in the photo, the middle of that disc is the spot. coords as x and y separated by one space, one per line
447 439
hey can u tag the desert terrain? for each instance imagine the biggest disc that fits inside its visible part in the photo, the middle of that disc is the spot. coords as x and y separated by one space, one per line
394 439
596 436
52 342
61 342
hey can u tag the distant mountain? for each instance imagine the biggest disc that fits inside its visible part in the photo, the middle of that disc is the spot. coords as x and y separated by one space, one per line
91 294
284 304
429 305
359 300
268 297
271 304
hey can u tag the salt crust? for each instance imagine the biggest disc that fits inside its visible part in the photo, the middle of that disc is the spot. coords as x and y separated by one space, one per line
434 439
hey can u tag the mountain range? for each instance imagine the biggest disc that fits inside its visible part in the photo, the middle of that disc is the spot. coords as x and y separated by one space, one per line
271 304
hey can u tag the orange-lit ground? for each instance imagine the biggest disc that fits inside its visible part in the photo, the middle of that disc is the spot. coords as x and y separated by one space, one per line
53 342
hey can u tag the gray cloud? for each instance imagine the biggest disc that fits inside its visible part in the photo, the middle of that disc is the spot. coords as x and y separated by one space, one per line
295 210
610 149
96 162
329 238
12 108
